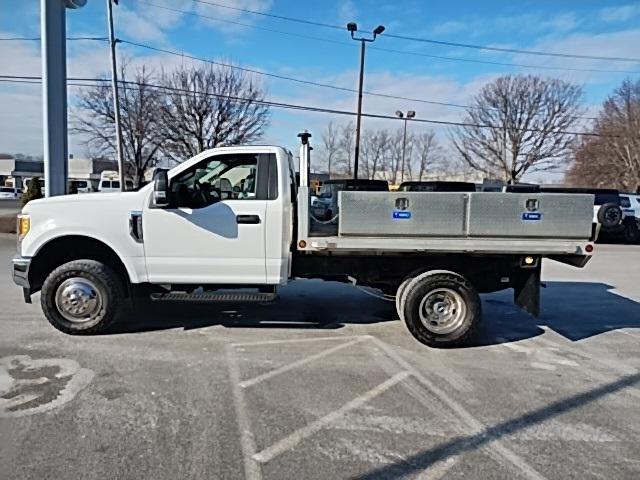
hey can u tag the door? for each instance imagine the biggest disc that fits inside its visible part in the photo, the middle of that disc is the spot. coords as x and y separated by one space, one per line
214 228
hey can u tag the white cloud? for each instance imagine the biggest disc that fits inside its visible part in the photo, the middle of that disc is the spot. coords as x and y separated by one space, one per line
616 44
347 11
449 27
619 14
234 14
21 119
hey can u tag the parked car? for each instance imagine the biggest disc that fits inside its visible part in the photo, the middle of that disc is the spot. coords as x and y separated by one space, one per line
437 186
80 186
326 206
26 181
11 193
630 204
110 182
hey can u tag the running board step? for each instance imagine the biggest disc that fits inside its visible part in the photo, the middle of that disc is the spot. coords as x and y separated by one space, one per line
241 297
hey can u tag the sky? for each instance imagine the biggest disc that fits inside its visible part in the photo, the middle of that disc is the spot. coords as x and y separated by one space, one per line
328 55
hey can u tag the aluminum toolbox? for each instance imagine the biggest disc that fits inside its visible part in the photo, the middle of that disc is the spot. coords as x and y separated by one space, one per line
402 214
541 215
481 214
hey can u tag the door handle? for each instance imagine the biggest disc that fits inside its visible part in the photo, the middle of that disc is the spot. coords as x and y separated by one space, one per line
250 219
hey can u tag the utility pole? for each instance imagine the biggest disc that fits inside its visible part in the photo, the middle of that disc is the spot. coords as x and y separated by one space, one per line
352 28
116 98
399 114
359 117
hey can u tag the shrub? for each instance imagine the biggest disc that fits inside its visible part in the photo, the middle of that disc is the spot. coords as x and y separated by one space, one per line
33 191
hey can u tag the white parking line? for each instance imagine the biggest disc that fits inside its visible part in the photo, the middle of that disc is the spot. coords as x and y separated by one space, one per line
296 437
294 340
298 363
474 425
247 443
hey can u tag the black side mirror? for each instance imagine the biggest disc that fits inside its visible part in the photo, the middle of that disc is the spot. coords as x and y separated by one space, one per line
161 188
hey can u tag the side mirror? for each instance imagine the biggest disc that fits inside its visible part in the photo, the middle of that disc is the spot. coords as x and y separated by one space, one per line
161 188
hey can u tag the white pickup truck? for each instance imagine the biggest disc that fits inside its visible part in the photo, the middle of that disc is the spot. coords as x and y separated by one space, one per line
232 224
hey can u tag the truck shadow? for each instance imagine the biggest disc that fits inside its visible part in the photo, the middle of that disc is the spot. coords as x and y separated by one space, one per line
576 310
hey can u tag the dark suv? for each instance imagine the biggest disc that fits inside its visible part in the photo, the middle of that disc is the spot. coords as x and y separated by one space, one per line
437 186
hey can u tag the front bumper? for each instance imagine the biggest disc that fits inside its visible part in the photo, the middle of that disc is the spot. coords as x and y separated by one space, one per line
20 268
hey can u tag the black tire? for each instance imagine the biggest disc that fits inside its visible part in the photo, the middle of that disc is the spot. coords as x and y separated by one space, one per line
609 215
400 296
464 303
108 288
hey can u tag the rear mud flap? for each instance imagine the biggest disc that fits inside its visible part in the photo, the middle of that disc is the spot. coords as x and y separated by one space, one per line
526 290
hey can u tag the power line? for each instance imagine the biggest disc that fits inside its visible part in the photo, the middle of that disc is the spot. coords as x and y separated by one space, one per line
431 41
308 82
308 108
382 49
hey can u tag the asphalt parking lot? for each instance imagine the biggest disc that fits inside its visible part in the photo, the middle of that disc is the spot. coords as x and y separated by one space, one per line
327 384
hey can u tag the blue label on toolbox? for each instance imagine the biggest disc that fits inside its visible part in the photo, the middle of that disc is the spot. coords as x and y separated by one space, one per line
532 216
401 214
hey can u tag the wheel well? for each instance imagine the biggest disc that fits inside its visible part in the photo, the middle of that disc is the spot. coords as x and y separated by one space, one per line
61 250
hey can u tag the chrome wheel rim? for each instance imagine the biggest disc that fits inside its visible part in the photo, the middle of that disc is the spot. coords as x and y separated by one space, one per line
442 311
78 300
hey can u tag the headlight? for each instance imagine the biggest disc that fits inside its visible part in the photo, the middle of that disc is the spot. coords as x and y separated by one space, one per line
24 224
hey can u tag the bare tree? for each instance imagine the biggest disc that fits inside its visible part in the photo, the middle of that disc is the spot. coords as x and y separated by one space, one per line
346 143
331 145
394 152
139 114
427 151
375 144
518 124
612 156
208 106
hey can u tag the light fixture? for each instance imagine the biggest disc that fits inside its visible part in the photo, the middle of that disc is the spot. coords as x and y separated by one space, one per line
352 27
378 30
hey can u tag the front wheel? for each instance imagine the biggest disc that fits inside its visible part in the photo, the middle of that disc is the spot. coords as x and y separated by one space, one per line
441 309
82 297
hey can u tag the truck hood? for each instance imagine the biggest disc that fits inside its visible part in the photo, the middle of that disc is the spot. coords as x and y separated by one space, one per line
92 202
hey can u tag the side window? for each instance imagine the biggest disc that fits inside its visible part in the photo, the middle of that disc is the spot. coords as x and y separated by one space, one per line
223 177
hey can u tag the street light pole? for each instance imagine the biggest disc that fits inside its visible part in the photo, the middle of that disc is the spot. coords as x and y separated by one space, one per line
116 98
359 116
399 114
352 28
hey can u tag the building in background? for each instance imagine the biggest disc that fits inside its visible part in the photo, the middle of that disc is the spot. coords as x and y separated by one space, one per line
84 173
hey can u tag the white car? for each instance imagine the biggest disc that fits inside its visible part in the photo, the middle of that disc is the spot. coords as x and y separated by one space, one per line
10 193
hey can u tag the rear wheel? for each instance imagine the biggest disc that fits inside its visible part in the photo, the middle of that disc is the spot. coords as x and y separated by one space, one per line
82 297
400 296
441 309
